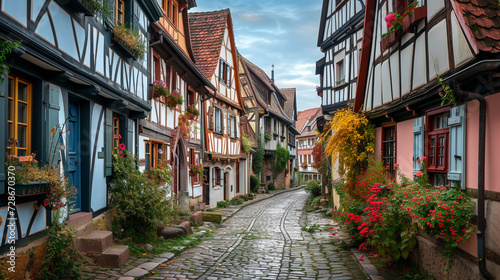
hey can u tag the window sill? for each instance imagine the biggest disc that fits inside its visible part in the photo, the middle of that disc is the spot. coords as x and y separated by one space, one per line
409 22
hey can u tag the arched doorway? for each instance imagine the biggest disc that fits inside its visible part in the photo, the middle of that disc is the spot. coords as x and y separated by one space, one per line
178 145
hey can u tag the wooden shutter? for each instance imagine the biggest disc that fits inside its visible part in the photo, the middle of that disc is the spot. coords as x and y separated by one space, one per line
418 142
456 151
53 115
130 136
211 118
108 143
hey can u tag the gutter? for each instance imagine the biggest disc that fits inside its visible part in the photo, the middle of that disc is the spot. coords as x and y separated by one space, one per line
482 66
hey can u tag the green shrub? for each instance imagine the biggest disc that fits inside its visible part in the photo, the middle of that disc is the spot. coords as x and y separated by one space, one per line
138 202
212 217
271 187
236 200
59 261
222 204
314 187
254 183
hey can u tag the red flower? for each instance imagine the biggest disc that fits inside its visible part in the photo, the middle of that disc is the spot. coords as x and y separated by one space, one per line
419 173
122 146
120 155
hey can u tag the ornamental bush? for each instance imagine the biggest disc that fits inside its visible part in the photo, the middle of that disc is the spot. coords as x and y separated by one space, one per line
314 187
139 203
254 183
271 187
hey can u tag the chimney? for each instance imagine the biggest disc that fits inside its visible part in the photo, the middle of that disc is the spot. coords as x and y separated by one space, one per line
272 74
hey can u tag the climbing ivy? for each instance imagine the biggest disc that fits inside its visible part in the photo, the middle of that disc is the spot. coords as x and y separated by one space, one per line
6 48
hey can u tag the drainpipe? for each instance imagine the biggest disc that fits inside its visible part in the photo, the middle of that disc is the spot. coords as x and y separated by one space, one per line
481 220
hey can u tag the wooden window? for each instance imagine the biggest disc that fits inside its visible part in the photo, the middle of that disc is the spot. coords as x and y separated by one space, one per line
193 159
340 77
225 72
120 11
190 99
401 5
231 126
116 133
19 117
175 12
437 143
218 120
389 148
157 152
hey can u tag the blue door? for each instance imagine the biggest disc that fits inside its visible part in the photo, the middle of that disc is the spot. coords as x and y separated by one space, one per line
74 166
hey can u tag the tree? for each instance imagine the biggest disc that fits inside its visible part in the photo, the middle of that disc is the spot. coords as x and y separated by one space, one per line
280 161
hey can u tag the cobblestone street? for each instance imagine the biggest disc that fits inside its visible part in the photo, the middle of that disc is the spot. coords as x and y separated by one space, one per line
265 241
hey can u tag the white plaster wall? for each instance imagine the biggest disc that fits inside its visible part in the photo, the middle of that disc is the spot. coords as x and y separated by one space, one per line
438 50
98 188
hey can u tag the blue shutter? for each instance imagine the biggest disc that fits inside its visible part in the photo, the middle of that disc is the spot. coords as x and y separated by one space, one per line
456 151
222 177
130 136
214 177
418 142
53 118
108 143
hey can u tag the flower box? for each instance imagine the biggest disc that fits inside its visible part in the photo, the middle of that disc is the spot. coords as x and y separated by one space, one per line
413 18
389 40
192 174
121 46
33 188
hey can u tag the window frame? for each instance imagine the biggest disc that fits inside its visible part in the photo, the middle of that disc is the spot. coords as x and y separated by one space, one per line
116 128
232 131
154 156
218 120
225 72
389 161
14 149
120 21
437 134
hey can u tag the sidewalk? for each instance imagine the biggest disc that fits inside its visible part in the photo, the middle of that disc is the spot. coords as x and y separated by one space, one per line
140 266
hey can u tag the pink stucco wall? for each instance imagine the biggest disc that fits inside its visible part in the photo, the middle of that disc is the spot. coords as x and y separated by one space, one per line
378 143
492 159
404 149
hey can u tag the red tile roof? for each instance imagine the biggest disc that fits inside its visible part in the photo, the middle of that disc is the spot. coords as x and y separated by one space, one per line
483 19
305 118
207 34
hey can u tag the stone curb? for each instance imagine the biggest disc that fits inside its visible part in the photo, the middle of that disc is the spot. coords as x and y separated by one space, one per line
369 269
226 217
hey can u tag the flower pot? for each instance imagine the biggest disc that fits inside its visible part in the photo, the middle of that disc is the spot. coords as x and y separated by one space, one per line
170 102
191 116
156 93
32 188
192 174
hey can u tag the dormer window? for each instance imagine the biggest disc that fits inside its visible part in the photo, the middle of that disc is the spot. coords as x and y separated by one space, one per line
225 72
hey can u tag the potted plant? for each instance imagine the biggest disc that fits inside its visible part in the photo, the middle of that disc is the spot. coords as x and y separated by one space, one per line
195 169
173 99
268 136
160 174
30 179
192 112
159 89
304 165
129 41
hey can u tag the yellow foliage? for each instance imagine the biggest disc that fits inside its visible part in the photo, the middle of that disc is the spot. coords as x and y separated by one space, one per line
349 137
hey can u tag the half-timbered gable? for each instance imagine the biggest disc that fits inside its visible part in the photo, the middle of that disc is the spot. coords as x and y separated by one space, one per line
306 125
339 38
443 47
173 65
71 68
215 53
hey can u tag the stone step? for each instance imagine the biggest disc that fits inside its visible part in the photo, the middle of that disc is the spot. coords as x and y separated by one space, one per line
95 242
114 256
79 219
84 229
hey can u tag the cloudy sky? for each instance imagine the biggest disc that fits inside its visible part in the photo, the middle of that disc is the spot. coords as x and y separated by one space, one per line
279 32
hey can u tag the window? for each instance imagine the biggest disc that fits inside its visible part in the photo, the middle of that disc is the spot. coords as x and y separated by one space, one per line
437 145
401 5
231 125
174 14
340 73
218 120
217 177
224 72
120 11
156 151
116 132
19 117
389 148
194 159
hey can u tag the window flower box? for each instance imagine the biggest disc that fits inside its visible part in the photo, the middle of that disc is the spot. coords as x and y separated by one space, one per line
413 18
159 89
173 99
192 112
32 188
389 40
128 41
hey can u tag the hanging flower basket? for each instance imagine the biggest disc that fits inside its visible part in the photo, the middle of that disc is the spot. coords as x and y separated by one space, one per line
195 169
159 89
173 99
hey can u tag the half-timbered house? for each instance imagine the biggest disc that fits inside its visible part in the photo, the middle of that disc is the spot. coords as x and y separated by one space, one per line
307 124
166 137
400 91
290 109
215 54
70 69
266 111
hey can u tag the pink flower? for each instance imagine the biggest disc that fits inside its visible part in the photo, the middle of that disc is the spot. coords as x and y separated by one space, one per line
122 146
396 165
389 25
419 173
391 18
115 136
120 136
120 155
160 151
